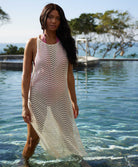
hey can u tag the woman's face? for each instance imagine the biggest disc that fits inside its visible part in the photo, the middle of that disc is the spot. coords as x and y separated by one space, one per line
53 21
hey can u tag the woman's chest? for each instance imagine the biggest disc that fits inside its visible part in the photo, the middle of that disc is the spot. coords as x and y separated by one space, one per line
51 56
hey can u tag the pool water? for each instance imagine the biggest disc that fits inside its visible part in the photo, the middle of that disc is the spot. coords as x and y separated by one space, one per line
108 120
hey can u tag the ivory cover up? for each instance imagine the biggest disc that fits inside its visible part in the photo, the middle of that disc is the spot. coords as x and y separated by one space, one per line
50 104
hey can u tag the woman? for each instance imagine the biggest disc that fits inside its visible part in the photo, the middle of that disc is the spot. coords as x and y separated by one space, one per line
48 96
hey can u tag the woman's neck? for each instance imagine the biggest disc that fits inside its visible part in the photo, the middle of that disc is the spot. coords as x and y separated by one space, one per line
50 37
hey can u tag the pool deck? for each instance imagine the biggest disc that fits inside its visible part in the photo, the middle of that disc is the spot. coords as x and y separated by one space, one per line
9 62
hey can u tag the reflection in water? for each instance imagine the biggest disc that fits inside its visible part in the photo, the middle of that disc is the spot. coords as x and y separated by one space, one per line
110 70
77 78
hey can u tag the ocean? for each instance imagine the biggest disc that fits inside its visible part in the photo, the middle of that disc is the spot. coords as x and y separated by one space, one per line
130 51
108 121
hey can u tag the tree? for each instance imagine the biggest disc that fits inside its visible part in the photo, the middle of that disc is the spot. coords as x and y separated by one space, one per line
21 50
84 24
113 21
13 50
10 49
4 17
116 26
106 31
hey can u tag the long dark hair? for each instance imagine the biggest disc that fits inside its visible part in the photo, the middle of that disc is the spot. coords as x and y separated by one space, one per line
63 32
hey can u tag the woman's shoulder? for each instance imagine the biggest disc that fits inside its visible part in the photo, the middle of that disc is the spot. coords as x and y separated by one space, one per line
32 40
31 43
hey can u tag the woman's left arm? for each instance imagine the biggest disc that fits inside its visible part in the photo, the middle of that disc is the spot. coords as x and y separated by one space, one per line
71 87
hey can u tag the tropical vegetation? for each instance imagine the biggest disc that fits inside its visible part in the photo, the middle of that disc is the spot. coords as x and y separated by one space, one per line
105 32
13 50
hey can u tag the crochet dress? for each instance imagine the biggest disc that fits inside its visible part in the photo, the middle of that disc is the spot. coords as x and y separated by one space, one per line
50 105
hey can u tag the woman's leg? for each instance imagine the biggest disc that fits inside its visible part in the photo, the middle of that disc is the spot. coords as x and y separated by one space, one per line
31 143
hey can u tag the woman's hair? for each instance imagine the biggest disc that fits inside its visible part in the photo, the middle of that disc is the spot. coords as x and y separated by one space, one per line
63 31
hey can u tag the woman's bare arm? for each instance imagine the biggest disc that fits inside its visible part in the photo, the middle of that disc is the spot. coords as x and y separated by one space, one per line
71 87
27 69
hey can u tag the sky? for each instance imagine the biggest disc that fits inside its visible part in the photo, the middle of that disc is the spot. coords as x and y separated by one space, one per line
24 14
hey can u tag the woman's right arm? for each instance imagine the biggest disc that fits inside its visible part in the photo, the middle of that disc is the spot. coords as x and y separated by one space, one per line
26 77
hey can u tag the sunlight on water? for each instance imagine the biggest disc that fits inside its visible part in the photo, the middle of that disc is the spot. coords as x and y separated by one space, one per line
108 102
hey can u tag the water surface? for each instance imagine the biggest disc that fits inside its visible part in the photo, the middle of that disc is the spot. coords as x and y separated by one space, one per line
108 121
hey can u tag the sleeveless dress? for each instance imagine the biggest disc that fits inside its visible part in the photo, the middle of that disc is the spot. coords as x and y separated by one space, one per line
50 104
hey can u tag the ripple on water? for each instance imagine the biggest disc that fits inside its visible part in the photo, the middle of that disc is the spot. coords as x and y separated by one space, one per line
107 99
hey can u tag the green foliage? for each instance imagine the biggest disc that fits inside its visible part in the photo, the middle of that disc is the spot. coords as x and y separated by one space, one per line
3 16
113 28
21 50
13 50
113 21
84 24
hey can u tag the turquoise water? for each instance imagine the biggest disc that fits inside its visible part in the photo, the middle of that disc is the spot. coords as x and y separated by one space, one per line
108 121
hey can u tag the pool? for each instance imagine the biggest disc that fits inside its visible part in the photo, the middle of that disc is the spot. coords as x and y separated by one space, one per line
108 121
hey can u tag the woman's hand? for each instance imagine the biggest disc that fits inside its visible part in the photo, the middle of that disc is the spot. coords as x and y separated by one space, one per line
26 115
75 110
